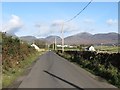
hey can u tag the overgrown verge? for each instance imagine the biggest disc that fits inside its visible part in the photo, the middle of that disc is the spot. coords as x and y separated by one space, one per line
16 57
9 76
101 64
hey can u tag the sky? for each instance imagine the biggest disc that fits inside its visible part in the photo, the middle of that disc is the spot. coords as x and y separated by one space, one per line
41 19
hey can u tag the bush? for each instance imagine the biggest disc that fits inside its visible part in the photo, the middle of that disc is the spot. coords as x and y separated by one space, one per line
13 52
103 64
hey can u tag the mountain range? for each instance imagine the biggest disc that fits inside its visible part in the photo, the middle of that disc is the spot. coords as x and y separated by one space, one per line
80 38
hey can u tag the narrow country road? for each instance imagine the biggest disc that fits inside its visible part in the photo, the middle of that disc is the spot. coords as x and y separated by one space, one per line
52 71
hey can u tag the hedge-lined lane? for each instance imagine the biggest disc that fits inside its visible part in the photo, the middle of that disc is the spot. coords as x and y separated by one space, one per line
103 64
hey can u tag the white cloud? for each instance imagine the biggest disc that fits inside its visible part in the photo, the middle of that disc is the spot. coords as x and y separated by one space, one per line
55 27
13 25
57 23
42 30
112 22
90 21
66 26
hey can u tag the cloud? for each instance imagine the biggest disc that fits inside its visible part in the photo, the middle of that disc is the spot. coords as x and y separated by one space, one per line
55 28
89 21
13 25
41 29
37 25
112 22
66 26
57 23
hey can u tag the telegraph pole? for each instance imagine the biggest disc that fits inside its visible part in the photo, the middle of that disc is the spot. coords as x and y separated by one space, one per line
101 46
55 43
62 37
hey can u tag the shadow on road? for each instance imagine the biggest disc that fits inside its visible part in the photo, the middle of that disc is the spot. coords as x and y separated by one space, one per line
63 80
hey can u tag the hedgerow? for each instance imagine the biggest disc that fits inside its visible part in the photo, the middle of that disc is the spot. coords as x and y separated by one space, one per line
102 64
13 52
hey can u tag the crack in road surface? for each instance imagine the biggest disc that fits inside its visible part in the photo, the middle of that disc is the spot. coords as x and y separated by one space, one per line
63 80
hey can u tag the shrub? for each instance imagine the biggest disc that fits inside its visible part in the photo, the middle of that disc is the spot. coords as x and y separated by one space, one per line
103 64
13 51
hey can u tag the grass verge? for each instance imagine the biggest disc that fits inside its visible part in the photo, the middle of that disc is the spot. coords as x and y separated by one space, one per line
10 76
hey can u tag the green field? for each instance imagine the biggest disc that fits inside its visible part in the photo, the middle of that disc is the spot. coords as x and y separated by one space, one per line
111 49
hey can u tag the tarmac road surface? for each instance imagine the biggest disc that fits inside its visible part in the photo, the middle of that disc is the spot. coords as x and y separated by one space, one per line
53 71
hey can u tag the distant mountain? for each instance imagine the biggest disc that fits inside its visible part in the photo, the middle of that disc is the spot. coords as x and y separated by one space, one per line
107 38
29 39
51 39
83 35
80 38
87 38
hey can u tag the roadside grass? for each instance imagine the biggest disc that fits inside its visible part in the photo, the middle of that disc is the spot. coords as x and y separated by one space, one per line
111 49
13 73
69 49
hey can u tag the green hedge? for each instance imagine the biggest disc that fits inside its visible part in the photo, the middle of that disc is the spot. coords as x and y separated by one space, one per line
102 64
13 52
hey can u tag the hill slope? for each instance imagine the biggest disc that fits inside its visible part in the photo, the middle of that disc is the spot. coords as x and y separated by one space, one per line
80 38
87 38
